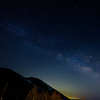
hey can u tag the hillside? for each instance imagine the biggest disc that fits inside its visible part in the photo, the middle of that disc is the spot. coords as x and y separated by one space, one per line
16 87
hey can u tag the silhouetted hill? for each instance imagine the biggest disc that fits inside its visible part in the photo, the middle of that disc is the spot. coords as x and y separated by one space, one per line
17 87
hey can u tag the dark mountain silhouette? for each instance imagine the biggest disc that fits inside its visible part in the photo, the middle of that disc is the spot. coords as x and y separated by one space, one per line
16 87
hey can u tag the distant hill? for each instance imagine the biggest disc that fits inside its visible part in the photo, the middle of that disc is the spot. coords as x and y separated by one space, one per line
16 87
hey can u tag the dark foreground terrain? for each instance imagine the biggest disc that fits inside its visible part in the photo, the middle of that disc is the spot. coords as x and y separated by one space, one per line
16 87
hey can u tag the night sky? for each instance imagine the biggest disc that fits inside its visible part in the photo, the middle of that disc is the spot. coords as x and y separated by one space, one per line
57 41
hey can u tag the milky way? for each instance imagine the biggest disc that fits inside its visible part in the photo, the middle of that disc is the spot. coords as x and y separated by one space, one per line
57 42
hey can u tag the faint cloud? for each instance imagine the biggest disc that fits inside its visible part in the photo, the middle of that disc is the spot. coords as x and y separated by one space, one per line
86 69
15 29
68 59
59 56
82 64
96 74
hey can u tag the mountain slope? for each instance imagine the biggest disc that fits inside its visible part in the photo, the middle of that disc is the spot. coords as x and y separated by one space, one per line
16 87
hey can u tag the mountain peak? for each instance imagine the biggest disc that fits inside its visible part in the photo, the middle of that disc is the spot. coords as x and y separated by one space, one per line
13 85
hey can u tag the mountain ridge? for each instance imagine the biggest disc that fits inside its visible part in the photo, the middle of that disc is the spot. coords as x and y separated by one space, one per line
19 86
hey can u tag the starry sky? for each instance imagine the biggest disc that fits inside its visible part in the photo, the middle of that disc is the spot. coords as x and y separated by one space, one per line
57 41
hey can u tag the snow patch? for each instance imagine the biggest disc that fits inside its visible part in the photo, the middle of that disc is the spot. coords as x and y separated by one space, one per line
43 83
29 81
49 88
